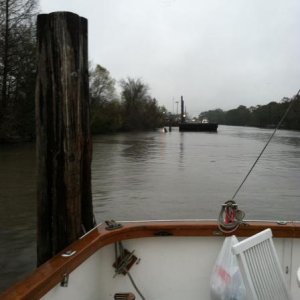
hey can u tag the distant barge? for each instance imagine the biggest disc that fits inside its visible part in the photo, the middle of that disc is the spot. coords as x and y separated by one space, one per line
198 127
195 126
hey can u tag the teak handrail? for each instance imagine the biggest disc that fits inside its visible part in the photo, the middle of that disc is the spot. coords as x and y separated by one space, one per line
52 272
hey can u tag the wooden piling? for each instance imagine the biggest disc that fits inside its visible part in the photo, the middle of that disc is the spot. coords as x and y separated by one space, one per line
64 146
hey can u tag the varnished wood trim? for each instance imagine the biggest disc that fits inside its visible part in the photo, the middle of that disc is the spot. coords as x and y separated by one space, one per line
51 273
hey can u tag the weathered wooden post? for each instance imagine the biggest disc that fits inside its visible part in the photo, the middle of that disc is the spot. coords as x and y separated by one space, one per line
64 146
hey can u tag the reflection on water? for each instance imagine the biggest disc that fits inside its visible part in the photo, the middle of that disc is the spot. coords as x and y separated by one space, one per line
188 175
157 176
17 213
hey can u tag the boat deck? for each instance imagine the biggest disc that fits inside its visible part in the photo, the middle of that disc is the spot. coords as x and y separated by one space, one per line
175 261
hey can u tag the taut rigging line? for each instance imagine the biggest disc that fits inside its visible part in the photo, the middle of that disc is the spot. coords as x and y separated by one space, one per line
268 142
230 216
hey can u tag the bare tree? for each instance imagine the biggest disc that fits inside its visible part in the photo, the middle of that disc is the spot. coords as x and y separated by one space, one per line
17 53
141 111
134 90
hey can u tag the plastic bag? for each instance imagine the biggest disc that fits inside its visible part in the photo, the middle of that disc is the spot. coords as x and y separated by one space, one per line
226 281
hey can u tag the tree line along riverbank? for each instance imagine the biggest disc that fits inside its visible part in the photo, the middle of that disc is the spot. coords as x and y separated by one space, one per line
266 116
133 108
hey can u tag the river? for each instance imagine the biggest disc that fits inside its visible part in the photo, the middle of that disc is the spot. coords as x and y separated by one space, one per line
156 175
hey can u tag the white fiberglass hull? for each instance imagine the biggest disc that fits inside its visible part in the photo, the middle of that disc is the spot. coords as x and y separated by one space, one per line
175 261
169 268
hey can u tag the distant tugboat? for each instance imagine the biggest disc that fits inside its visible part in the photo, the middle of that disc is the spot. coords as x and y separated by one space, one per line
195 126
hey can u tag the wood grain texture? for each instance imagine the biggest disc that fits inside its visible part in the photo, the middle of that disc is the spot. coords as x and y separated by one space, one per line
64 146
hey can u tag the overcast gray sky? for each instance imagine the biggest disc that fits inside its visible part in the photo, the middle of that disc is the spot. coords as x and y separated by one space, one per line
216 53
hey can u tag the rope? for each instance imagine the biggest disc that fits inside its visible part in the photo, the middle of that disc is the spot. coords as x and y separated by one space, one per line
121 249
135 286
230 217
268 142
